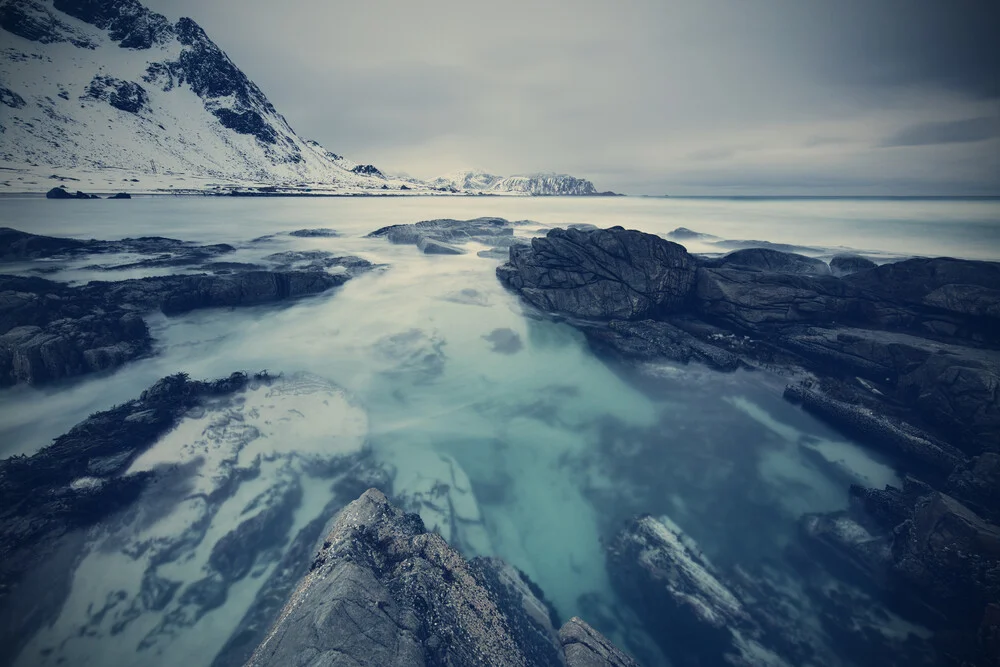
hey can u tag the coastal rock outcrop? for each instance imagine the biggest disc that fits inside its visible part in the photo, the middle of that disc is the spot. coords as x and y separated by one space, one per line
440 237
49 330
609 274
382 591
912 341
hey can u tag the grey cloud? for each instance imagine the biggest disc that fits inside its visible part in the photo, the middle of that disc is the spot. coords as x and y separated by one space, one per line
948 132
652 96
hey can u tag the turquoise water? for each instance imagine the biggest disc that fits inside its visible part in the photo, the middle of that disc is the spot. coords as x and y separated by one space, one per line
546 448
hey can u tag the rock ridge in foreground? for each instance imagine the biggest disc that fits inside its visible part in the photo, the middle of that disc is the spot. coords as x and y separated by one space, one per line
382 591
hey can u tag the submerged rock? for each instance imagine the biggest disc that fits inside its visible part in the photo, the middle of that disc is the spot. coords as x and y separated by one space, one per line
605 273
318 232
418 602
693 615
77 480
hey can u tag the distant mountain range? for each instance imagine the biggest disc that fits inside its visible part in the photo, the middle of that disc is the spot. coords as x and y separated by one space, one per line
108 95
532 184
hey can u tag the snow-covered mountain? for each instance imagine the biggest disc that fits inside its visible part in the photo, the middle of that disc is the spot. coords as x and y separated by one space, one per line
114 97
532 184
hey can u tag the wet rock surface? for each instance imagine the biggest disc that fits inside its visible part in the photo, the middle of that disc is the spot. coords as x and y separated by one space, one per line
17 246
765 259
441 237
51 330
382 591
610 274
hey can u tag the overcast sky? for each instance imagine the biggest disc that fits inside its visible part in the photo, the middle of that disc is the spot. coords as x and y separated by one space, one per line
657 96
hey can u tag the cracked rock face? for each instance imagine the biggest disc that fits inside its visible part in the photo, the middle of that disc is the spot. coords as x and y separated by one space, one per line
608 274
381 591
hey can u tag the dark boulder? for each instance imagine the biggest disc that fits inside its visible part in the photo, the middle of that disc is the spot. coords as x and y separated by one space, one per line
846 264
121 195
61 193
605 274
765 259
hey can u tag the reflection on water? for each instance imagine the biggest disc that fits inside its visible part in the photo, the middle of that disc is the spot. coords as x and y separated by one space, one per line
505 431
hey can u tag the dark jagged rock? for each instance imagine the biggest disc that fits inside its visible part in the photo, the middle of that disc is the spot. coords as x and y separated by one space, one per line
367 170
124 95
33 21
318 232
11 99
121 195
608 274
688 610
382 591
586 647
764 259
61 193
846 264
77 480
128 22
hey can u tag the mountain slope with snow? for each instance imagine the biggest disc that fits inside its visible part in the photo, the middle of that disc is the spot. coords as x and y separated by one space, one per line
472 181
116 97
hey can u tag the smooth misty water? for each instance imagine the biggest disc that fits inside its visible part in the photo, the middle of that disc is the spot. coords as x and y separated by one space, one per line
558 446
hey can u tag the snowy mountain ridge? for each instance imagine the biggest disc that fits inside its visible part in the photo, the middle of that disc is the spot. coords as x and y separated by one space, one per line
108 96
116 97
475 181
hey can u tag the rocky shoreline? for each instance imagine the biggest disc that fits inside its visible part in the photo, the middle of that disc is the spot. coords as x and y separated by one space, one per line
50 330
904 357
